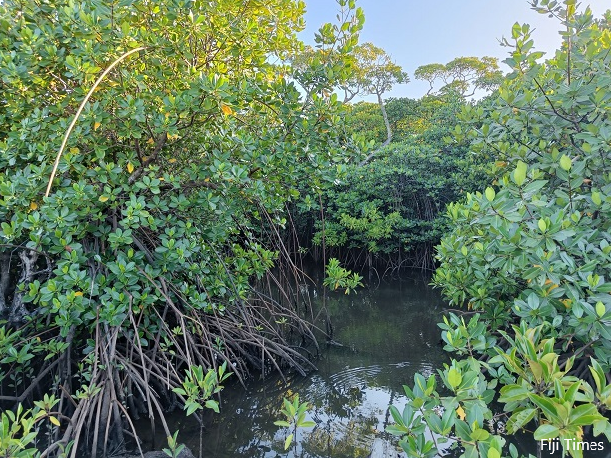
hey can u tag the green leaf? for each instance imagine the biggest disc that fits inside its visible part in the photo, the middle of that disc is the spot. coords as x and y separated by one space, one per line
547 406
490 194
546 431
480 434
565 162
596 198
282 423
600 309
192 407
519 174
211 404
454 378
397 430
520 419
287 442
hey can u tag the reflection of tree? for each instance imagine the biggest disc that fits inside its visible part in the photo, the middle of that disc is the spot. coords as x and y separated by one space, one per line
351 440
246 427
385 333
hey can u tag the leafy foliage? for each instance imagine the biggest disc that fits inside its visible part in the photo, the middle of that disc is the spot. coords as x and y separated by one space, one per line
174 449
375 72
394 206
337 277
534 388
160 214
530 253
197 388
535 246
462 75
295 413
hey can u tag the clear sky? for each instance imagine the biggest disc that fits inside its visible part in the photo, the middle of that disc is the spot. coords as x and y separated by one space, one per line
419 32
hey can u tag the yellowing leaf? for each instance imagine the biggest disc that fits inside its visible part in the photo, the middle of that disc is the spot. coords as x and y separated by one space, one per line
519 174
493 453
150 141
103 198
226 109
74 150
566 303
96 125
78 293
130 167
460 412
161 179
171 161
551 288
33 205
54 420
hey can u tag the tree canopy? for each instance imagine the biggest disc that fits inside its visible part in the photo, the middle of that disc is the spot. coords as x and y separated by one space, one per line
168 196
464 75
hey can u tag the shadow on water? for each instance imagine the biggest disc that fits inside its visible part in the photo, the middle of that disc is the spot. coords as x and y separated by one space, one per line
383 335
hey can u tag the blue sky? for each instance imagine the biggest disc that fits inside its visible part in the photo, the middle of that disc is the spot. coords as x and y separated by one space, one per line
418 32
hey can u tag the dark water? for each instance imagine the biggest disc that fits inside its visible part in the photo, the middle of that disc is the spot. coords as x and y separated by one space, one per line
388 332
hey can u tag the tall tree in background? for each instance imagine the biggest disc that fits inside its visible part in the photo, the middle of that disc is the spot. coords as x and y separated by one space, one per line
464 75
374 74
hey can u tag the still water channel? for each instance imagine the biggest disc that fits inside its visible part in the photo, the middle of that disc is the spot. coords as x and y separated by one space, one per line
388 331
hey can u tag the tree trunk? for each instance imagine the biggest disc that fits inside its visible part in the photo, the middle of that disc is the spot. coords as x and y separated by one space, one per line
5 272
18 311
388 131
386 123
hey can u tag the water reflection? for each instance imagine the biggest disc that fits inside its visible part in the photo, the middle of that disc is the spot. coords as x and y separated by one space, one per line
385 335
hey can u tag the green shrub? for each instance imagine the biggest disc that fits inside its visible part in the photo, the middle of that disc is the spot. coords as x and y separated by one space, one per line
137 262
535 246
